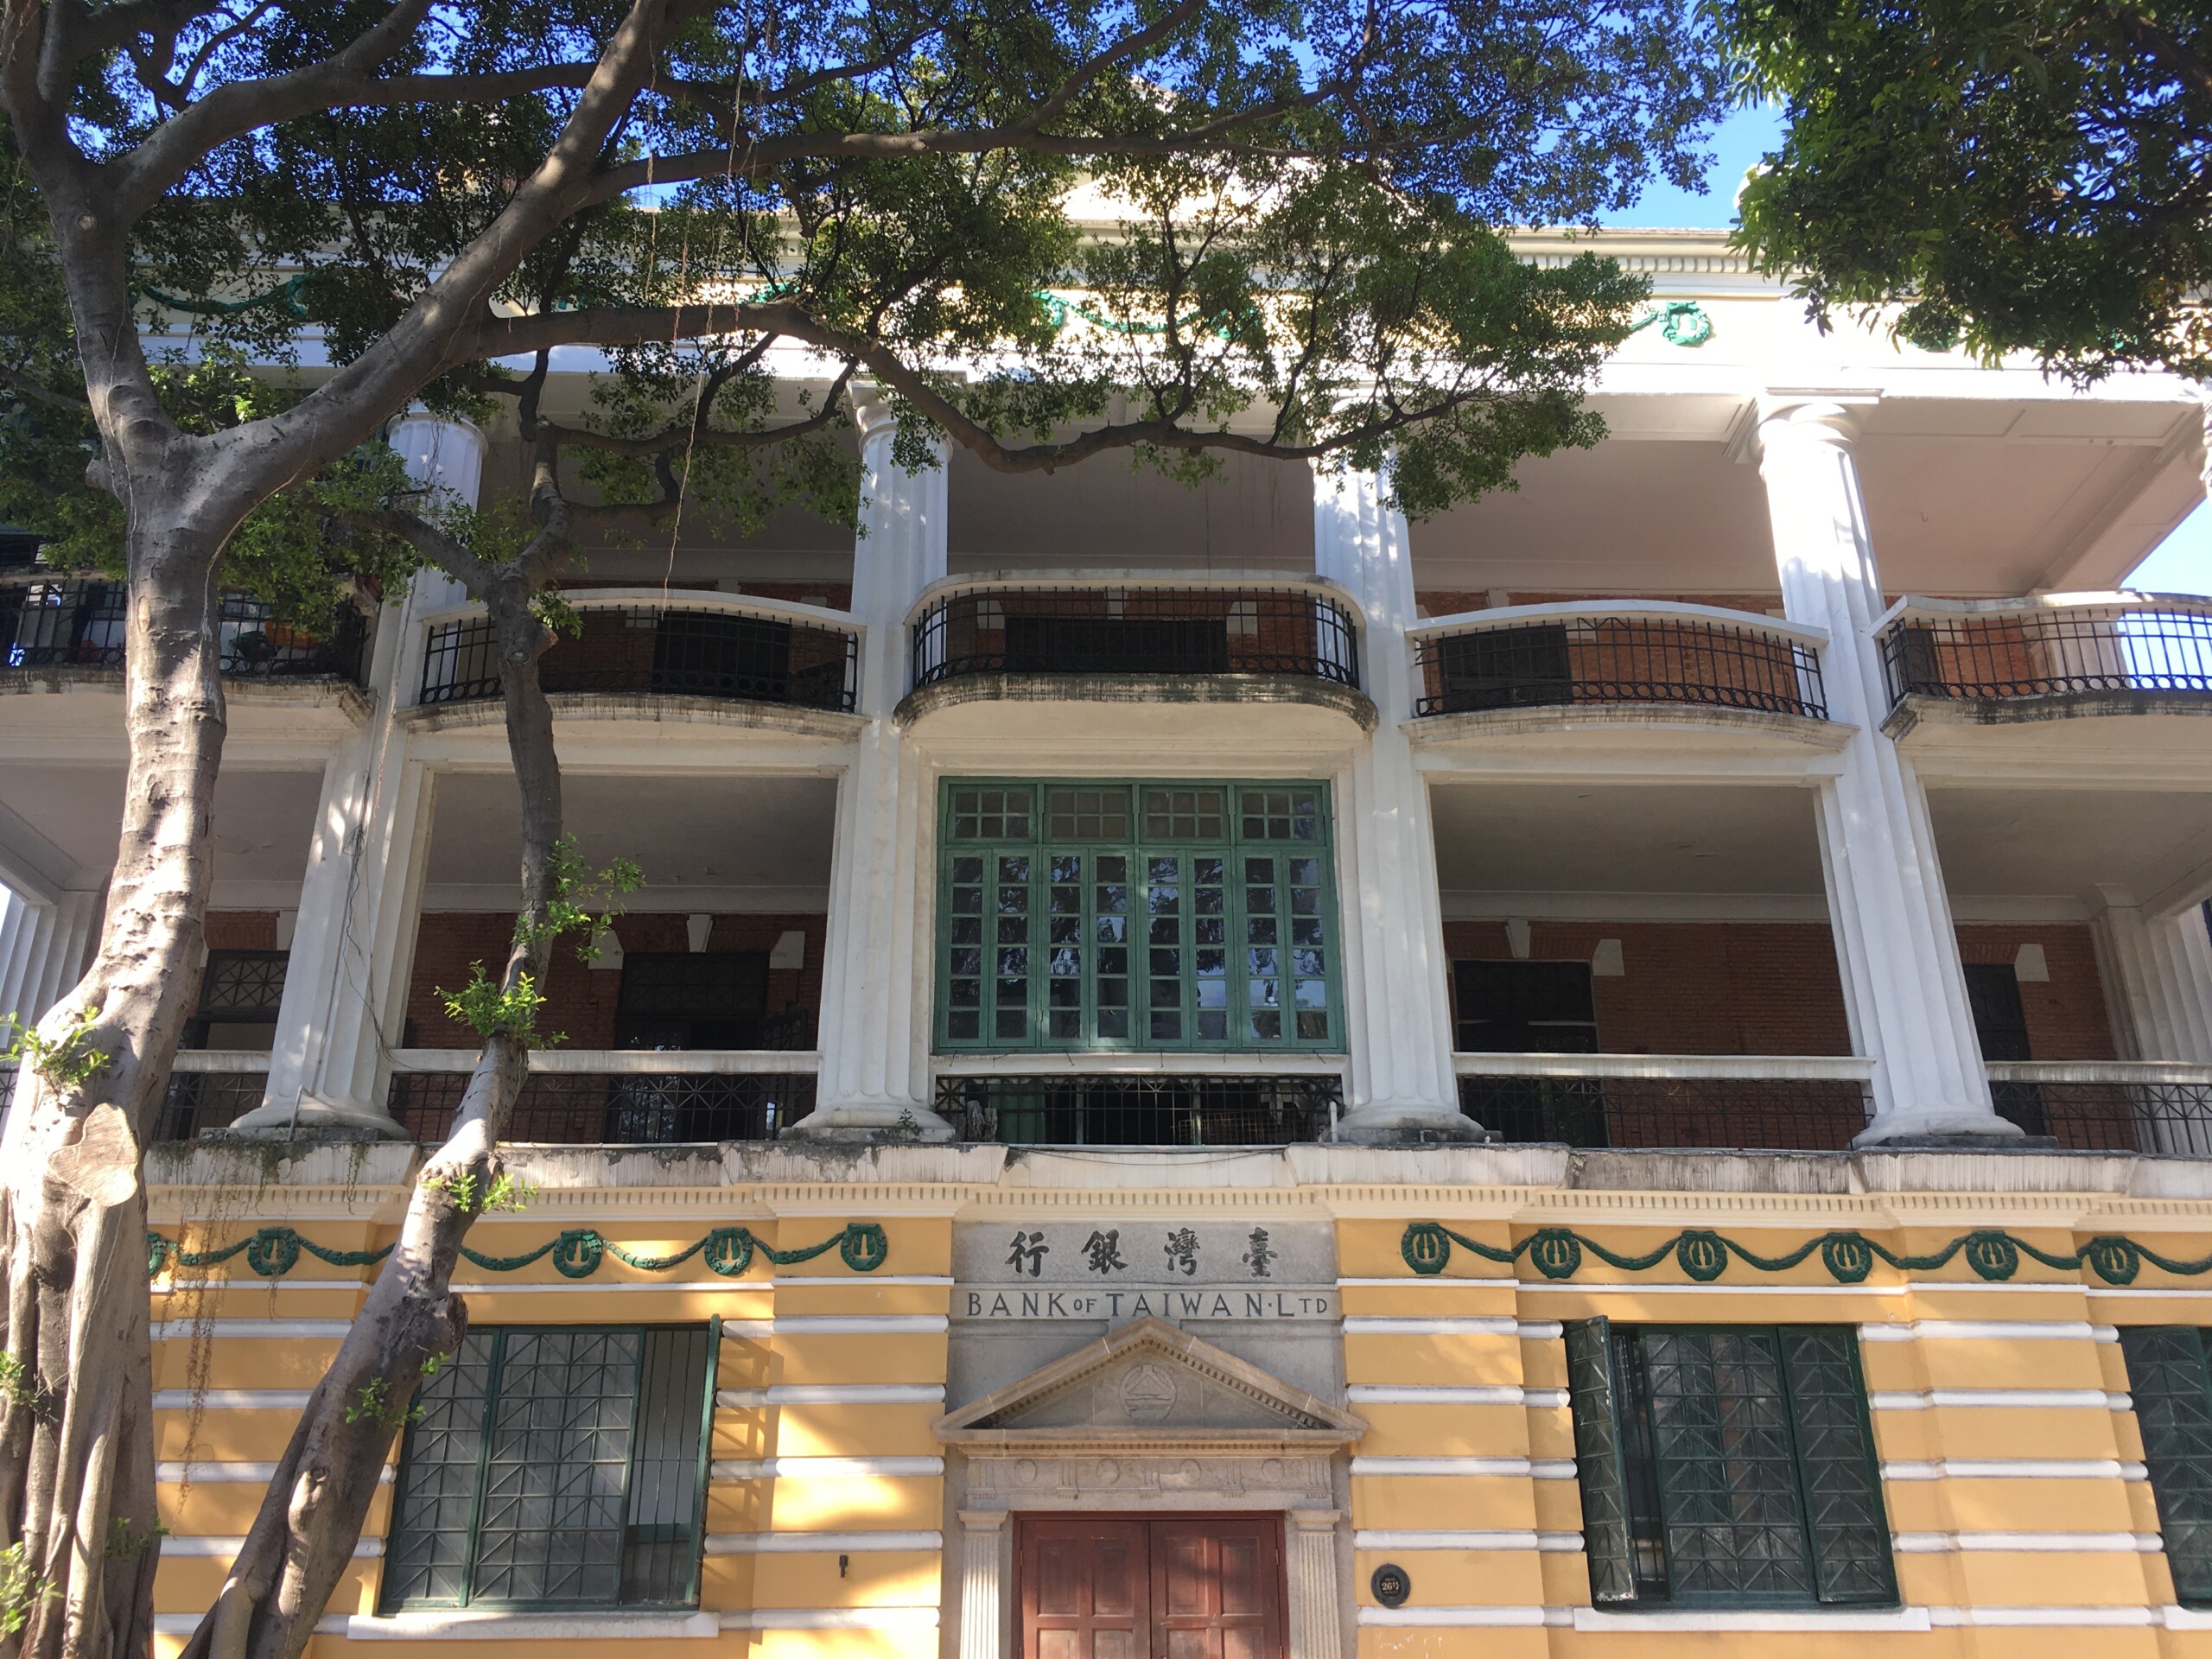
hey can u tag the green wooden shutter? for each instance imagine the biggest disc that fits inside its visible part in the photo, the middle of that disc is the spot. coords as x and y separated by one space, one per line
2166 1374
1837 1470
1598 1462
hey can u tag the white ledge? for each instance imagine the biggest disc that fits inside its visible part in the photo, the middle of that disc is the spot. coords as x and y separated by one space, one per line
2121 599
2122 1072
1504 616
672 599
1836 1068
832 1619
468 1625
232 1060
1073 1063
1135 581
625 1062
1774 1619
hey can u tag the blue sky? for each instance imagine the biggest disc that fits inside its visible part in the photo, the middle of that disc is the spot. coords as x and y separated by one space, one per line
2182 564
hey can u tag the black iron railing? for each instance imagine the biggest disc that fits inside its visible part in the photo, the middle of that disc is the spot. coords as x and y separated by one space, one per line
630 1109
1164 631
74 624
2097 648
207 1100
1142 1111
1619 659
2163 1116
1768 1114
662 652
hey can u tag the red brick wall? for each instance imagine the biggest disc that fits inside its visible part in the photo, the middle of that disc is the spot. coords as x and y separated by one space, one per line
241 929
1773 988
2066 1018
580 1001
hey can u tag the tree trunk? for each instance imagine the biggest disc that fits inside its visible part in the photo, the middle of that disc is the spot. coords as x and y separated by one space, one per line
76 1408
302 1538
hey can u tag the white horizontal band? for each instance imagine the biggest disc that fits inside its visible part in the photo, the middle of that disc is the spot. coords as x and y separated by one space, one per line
1776 1619
1526 1468
1422 1393
832 1394
1988 1331
217 1474
1926 1399
819 1543
835 1325
2016 1469
822 1468
364 1549
2054 1543
831 1619
2043 1618
185 1623
1465 1617
473 1624
230 1399
185 1330
1379 1325
1562 1543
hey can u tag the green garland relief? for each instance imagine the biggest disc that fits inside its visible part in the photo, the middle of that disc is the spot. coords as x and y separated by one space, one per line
272 1252
1703 1255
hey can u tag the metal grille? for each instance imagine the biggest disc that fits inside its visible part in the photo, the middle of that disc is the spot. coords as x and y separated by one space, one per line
206 1100
81 625
1583 660
2168 1117
243 984
661 652
1141 1111
1741 1462
563 1109
2103 649
1795 1115
1143 631
2172 1390
554 1468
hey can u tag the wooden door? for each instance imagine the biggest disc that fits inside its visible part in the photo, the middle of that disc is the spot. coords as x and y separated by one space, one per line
1084 1589
1217 1588
1121 1588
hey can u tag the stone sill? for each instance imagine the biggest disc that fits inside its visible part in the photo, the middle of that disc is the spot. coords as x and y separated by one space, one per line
469 1625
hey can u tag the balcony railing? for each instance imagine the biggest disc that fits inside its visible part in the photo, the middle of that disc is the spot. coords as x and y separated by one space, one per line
689 645
1774 1102
1583 655
1135 627
211 1088
1208 1105
72 624
620 1097
2051 645
2109 1106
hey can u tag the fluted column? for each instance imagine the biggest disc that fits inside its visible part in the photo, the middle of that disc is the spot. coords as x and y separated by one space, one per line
44 944
983 1583
875 1029
2157 977
1399 1033
1316 1625
1902 983
353 942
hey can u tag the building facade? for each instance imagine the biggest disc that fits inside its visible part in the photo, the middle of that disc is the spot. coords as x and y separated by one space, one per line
1212 1073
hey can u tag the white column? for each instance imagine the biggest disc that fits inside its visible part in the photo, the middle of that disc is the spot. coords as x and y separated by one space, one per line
983 1537
353 943
1316 1626
44 945
1399 1033
2157 979
1902 983
875 1029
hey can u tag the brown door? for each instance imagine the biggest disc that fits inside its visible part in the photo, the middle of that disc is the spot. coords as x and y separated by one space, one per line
1118 1587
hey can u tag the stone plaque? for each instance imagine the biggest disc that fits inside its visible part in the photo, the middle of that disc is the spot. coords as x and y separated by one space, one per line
1119 1270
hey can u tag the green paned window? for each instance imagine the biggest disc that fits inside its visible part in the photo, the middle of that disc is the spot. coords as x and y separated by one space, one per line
1727 1466
563 1467
1137 915
2171 1385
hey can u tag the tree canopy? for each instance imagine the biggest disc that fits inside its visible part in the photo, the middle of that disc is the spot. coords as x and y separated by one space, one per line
2015 175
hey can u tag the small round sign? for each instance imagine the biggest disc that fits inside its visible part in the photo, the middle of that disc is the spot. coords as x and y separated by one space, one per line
1391 1584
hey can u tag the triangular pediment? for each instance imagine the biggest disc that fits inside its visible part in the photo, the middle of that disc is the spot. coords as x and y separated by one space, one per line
1152 1384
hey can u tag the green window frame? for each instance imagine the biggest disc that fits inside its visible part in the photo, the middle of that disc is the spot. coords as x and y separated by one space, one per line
557 1467
1727 1466
2170 1380
1165 914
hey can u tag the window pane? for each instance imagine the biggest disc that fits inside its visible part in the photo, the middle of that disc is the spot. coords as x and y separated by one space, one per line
2166 1374
1110 930
1835 1456
659 1552
1010 951
1597 1461
1728 1480
1164 948
427 1559
1179 814
1087 814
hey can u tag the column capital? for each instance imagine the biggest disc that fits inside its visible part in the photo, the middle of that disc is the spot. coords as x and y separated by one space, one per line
872 415
984 1520
1819 413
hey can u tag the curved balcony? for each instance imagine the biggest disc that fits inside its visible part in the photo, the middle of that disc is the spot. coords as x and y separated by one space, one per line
1146 643
641 650
66 627
1995 676
1605 666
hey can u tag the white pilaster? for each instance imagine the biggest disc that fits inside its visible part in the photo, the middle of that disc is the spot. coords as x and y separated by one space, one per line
353 943
1903 982
875 1029
983 1547
2157 979
1316 1625
1398 1020
44 945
